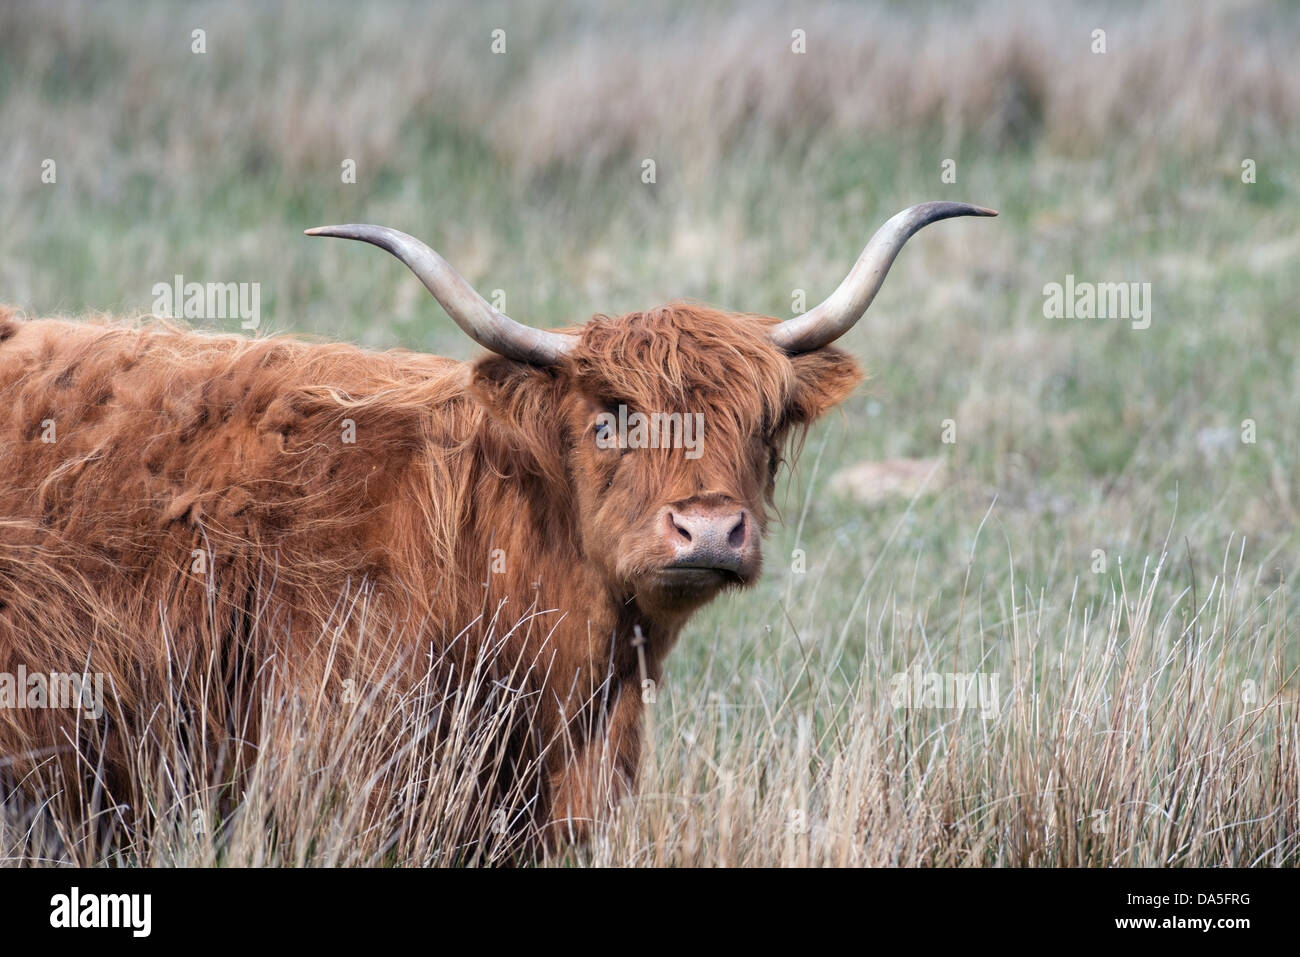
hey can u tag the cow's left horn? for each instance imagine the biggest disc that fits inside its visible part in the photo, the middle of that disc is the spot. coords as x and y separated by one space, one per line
491 329
845 306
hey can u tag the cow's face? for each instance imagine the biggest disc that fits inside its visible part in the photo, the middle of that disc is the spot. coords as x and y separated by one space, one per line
666 430
588 413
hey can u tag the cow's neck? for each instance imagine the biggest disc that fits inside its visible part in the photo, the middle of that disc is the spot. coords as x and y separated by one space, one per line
535 568
646 640
523 543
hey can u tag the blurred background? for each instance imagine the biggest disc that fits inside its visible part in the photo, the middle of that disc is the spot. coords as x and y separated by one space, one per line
772 168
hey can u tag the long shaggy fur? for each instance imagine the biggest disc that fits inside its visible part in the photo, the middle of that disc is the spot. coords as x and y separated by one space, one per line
175 503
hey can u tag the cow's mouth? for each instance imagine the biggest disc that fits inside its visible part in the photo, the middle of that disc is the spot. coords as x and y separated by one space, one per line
697 578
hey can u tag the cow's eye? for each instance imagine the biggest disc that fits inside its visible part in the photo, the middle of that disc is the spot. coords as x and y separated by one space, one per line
603 433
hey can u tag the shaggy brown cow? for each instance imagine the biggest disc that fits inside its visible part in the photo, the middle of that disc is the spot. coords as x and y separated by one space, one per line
169 496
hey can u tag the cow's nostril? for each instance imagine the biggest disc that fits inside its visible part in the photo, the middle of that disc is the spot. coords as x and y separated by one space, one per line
680 526
736 537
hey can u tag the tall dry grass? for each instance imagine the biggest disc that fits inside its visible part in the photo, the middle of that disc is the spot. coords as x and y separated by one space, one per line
584 87
1138 733
404 763
1125 735
1008 74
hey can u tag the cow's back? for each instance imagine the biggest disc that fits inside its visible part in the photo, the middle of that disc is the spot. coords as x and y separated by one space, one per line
173 501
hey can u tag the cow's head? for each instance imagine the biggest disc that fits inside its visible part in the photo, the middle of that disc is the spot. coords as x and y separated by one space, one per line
666 427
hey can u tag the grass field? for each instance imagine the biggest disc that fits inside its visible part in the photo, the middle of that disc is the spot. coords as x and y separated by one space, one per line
1112 530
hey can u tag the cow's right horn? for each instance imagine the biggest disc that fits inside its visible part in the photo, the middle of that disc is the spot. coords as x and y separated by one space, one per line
491 329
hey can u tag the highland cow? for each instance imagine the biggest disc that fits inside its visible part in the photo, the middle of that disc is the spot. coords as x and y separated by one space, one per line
171 497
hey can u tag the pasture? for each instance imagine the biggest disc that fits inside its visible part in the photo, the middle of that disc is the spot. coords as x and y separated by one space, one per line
1094 518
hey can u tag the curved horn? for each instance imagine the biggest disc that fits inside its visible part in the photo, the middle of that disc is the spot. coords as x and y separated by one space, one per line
492 330
845 306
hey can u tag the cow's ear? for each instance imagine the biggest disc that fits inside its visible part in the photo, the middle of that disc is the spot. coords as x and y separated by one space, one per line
823 379
523 399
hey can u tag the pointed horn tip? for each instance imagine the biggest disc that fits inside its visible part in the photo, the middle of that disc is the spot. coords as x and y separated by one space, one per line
966 209
348 231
